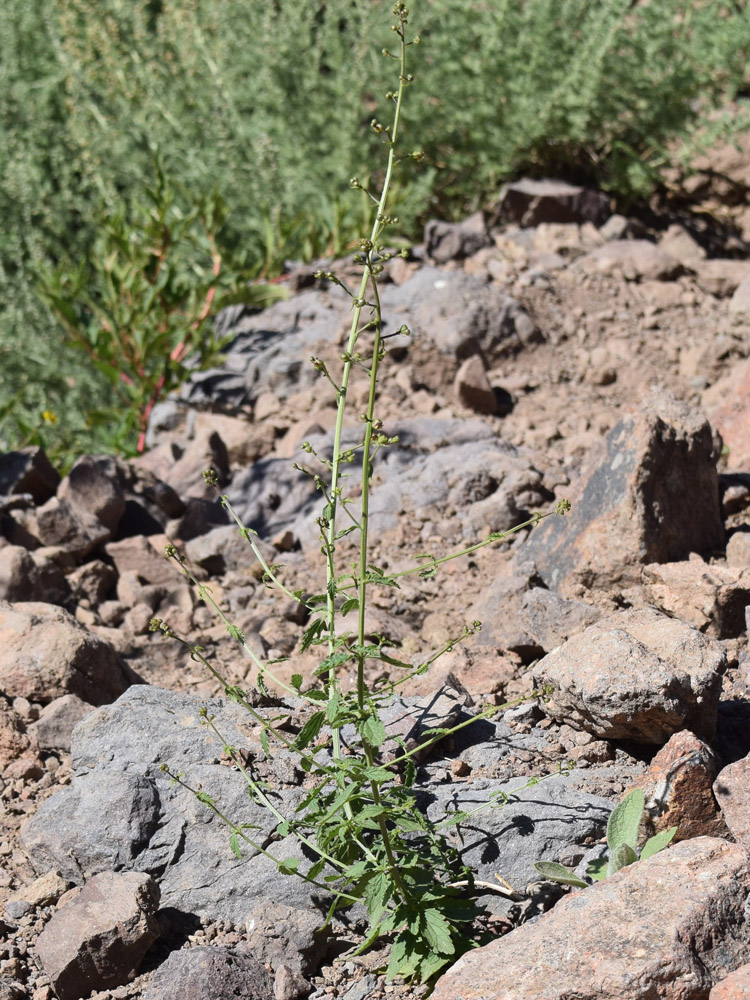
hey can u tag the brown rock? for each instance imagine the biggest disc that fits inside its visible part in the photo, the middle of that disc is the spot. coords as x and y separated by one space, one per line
146 557
59 524
45 653
87 487
473 388
669 927
13 738
739 304
42 891
208 973
446 241
28 471
727 404
97 941
738 550
19 577
530 202
92 582
713 598
721 277
637 260
53 728
732 791
677 787
736 986
279 935
678 243
649 494
636 675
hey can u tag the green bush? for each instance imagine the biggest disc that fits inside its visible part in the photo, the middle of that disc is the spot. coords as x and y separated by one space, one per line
238 97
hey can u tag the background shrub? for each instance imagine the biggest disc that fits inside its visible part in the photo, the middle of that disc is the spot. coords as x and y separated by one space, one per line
238 98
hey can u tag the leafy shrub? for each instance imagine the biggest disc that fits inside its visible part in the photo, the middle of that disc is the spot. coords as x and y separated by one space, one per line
237 97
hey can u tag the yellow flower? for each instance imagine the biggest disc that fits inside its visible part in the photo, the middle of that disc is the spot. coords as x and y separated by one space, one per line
49 417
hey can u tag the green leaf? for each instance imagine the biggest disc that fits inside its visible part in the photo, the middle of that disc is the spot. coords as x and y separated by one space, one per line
264 742
296 681
559 873
597 869
437 932
234 843
350 604
658 842
622 856
312 632
625 820
333 707
316 869
289 867
373 731
377 893
310 730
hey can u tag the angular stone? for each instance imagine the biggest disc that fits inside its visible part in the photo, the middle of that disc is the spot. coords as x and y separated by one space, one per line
677 787
739 304
727 404
13 738
92 582
97 940
28 471
636 675
88 487
636 259
732 791
670 927
650 494
19 576
721 277
45 653
278 935
713 598
146 557
736 986
446 241
473 388
208 973
53 728
42 891
530 202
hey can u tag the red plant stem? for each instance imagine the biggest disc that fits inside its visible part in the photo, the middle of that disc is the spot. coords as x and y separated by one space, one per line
176 355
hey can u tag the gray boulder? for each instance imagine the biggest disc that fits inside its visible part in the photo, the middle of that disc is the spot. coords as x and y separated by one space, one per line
209 973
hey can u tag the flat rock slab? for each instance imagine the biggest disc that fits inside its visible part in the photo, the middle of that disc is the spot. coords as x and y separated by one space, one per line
525 823
650 495
732 791
636 675
668 928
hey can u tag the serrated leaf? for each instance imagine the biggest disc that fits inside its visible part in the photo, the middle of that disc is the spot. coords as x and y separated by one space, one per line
296 681
622 856
404 959
312 632
377 893
625 820
658 842
316 695
455 818
350 604
437 932
316 869
373 731
234 843
333 707
431 964
264 742
309 731
559 873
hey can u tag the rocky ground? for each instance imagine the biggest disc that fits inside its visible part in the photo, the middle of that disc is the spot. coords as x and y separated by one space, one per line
557 350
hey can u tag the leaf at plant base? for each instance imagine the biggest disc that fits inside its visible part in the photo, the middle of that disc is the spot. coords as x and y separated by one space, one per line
431 964
625 820
559 873
374 732
437 932
658 842
622 856
597 869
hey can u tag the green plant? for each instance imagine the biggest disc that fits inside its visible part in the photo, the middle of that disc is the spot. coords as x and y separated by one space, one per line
622 841
238 97
360 818
140 306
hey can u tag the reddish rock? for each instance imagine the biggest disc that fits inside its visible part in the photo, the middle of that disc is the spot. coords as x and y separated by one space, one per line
727 404
677 787
713 598
146 557
45 653
649 494
736 986
670 927
732 791
87 487
98 940
636 675
634 259
13 738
